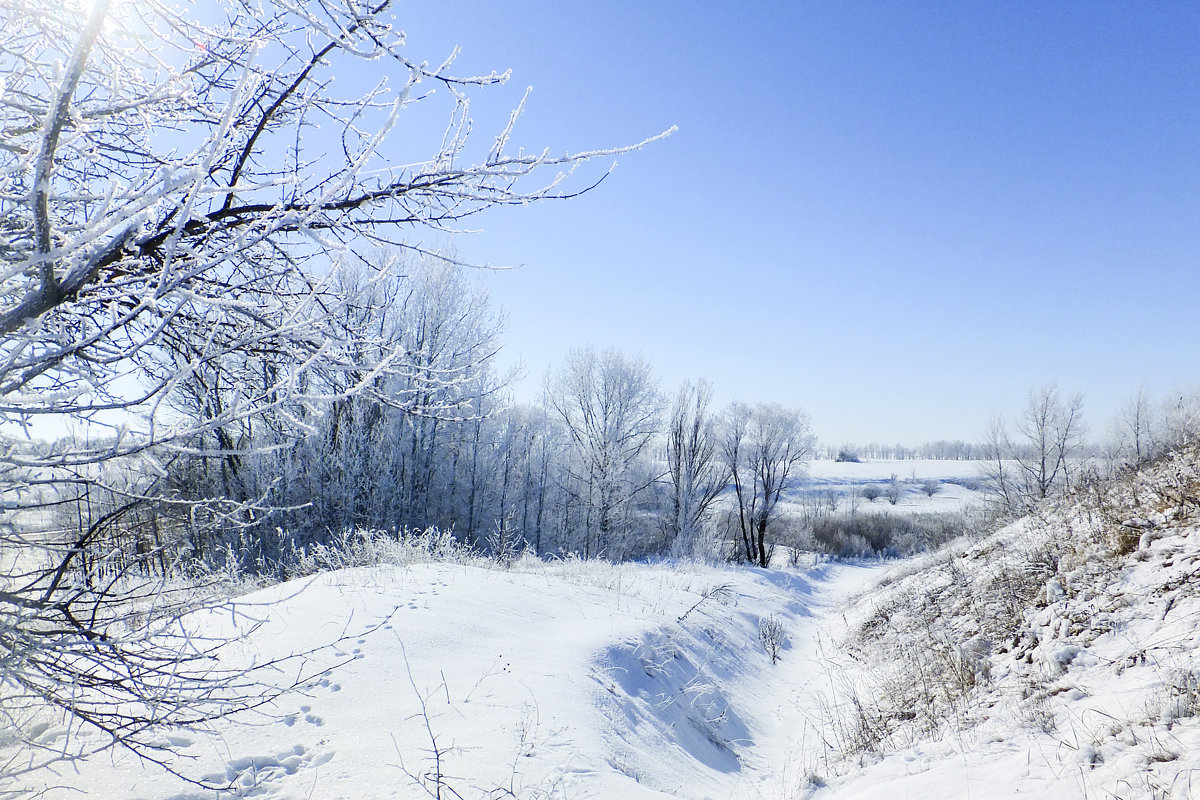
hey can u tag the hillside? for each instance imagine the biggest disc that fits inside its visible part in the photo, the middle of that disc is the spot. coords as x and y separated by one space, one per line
1059 657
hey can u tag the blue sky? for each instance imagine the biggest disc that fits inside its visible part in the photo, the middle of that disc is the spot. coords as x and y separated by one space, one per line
900 217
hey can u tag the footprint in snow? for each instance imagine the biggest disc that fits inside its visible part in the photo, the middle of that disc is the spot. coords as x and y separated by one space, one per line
252 774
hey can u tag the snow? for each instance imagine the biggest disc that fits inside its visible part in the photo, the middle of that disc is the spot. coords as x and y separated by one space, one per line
550 680
961 483
1056 658
1089 687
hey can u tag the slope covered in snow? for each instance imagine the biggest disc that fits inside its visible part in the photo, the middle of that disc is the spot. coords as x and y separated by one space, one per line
570 679
1059 657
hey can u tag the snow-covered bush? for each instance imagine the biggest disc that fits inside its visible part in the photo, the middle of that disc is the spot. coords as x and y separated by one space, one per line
773 636
894 490
362 547
706 543
857 535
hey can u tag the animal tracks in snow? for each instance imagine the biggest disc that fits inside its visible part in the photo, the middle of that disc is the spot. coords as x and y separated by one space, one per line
312 719
258 776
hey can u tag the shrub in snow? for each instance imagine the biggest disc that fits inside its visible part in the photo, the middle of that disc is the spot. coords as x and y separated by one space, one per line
505 544
772 636
894 490
706 543
1184 695
856 535
361 547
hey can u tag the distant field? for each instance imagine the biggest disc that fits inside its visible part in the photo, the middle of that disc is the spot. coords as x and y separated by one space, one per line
960 484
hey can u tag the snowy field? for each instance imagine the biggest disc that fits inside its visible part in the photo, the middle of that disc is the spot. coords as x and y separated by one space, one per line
564 680
960 484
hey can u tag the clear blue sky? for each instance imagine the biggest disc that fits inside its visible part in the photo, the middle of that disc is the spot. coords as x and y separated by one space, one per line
900 217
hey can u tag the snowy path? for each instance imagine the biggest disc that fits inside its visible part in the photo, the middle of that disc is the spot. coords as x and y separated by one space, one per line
797 721
570 680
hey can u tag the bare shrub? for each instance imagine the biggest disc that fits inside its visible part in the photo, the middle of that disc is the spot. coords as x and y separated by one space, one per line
880 534
772 636
505 543
721 592
931 487
361 547
894 490
1184 691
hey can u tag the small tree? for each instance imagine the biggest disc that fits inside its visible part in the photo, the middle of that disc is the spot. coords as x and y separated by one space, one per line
1135 428
772 635
931 487
872 492
894 490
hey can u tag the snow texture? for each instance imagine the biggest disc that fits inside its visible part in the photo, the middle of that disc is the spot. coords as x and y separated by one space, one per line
572 679
1056 658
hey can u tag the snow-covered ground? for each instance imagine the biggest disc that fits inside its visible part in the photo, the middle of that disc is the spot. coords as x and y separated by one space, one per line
960 484
1056 658
550 680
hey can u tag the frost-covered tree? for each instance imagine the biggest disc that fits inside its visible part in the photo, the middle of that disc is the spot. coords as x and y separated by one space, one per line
696 472
764 447
1179 419
1133 432
1041 456
384 459
609 404
184 193
520 496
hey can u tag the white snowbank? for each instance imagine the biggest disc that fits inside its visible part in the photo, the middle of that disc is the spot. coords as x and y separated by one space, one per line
560 680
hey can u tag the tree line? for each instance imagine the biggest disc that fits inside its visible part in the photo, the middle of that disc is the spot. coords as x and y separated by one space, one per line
605 465
1045 450
940 450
